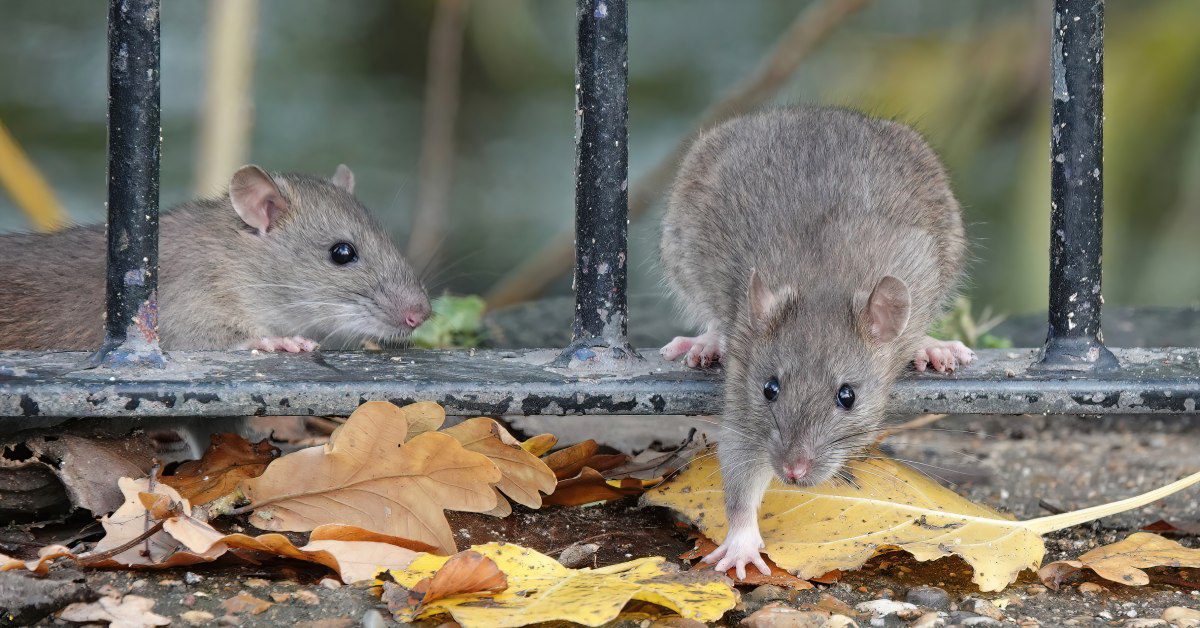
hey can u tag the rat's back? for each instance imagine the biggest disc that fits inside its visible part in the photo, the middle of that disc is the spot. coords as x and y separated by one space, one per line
52 289
808 196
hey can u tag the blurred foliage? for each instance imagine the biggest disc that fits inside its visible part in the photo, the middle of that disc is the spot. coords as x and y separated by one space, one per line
960 324
342 82
457 322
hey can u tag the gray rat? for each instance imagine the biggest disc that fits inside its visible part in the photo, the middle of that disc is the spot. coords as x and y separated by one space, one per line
815 247
278 260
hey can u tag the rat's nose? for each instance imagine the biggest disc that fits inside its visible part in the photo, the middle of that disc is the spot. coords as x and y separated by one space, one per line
797 470
414 316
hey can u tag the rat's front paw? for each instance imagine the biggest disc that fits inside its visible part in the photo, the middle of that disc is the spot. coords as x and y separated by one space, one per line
738 550
293 344
942 355
702 351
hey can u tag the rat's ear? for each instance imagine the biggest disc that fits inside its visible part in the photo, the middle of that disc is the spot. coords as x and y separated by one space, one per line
256 198
763 300
887 309
343 178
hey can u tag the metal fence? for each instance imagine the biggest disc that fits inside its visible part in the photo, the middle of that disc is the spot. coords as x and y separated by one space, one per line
1074 373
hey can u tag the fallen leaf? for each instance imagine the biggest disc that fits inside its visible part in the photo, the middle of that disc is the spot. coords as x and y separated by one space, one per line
68 470
465 573
131 611
569 461
420 417
541 590
338 532
523 475
354 560
590 487
131 520
776 615
245 603
810 531
779 577
1123 561
655 465
1176 528
40 565
540 444
368 476
228 460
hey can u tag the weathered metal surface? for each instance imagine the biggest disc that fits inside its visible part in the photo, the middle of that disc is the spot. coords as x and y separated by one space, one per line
601 182
525 382
134 136
1076 188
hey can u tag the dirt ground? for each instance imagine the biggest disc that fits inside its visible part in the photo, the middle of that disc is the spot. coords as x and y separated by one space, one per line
1025 465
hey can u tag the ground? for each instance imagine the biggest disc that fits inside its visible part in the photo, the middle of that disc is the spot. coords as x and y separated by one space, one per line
1020 464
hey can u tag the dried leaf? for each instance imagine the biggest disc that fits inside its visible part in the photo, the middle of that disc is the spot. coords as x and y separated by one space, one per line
132 519
131 611
590 487
541 590
813 530
370 477
1123 561
569 461
540 444
523 475
40 565
1176 528
778 577
332 546
228 460
465 573
420 417
653 465
159 506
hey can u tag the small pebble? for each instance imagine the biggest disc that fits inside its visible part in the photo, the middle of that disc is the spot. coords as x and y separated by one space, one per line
1182 616
929 597
170 582
306 596
862 589
330 583
280 598
1144 622
930 620
137 584
256 583
1028 622
878 609
229 620
192 578
984 607
196 618
373 619
1035 589
1091 588
188 600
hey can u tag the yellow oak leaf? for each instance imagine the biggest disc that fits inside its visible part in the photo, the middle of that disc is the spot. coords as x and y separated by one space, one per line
810 531
541 590
1123 561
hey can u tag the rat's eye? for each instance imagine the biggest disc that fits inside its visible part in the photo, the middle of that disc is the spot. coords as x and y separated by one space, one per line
771 389
342 253
845 397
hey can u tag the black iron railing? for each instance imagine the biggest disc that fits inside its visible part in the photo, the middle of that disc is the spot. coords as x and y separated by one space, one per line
599 373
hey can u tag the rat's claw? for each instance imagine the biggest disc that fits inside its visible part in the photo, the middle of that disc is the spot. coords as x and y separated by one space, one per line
738 551
943 355
293 344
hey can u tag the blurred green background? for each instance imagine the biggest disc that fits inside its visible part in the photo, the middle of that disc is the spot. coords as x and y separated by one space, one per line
344 82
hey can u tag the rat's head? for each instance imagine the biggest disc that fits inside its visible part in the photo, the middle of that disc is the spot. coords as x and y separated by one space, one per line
321 266
815 379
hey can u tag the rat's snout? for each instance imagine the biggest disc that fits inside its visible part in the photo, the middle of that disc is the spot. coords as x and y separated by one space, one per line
797 470
414 315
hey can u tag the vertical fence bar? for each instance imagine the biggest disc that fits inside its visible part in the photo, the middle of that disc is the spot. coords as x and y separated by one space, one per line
601 179
1074 341
134 136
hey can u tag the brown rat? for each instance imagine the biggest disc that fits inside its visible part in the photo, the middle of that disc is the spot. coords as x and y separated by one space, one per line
279 256
279 259
815 247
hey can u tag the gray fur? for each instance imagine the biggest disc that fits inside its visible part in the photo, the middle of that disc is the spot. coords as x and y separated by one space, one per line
222 284
822 203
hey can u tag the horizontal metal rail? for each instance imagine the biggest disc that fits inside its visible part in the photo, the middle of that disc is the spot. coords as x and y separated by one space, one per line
500 383
599 373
